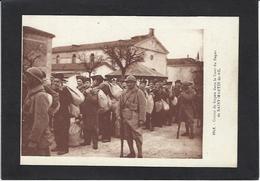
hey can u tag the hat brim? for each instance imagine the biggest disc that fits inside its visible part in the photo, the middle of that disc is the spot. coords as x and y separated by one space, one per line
37 78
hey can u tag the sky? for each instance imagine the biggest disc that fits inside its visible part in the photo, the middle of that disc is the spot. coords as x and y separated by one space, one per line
176 34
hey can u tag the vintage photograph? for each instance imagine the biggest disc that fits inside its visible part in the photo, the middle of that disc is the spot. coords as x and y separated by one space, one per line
112 87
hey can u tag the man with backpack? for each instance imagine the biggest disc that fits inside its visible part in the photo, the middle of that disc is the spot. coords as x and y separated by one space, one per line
35 117
104 95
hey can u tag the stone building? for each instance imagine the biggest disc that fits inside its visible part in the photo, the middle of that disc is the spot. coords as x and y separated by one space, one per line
184 69
37 49
155 54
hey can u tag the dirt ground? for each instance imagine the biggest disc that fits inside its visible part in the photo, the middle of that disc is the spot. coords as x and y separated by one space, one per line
160 143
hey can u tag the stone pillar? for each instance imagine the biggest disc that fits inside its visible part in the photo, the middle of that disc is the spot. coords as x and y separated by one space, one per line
37 49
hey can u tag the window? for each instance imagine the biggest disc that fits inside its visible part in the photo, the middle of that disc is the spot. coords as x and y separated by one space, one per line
74 58
92 57
57 59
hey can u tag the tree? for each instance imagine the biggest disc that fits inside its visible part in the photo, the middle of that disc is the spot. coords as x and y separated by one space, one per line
91 63
124 55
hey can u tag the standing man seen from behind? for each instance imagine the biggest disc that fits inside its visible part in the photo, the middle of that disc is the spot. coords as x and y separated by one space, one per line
133 112
35 119
61 123
186 111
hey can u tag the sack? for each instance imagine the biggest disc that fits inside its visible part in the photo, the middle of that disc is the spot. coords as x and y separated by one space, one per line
75 134
175 101
158 106
50 99
166 106
104 101
115 90
77 96
74 111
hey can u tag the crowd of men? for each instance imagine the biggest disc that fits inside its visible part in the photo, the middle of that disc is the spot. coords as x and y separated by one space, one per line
141 105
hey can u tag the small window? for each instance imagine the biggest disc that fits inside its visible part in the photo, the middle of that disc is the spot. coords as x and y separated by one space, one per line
151 57
57 59
74 58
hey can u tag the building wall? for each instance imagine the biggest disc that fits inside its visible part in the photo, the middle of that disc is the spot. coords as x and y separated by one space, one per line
37 51
183 73
66 57
153 58
156 61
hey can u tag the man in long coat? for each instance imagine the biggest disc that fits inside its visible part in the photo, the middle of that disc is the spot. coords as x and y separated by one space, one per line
187 110
133 112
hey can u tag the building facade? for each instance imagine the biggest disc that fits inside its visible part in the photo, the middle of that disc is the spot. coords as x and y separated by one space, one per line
155 54
37 49
184 69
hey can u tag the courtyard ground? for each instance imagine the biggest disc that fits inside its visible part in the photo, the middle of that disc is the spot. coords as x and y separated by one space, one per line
160 143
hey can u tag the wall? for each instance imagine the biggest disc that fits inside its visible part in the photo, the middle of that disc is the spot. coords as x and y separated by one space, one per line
155 56
183 73
158 62
66 57
37 51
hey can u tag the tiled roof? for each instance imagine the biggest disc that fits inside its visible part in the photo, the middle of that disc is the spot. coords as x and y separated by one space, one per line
75 66
31 30
181 61
139 70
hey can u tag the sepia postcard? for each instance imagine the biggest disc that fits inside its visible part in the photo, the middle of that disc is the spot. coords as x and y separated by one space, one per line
143 91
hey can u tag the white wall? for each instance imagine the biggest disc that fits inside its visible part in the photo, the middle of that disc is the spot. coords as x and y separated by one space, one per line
158 62
183 73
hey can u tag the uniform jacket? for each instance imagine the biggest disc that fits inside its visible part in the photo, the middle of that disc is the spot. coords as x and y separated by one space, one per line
35 122
186 105
133 105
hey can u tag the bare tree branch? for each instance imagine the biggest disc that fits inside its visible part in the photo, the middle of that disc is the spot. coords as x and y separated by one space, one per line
127 53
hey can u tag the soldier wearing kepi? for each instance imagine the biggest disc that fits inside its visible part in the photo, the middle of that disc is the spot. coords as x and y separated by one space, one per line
132 112
35 120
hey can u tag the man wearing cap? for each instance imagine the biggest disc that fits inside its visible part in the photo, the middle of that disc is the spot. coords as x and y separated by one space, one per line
35 117
132 112
61 123
186 111
89 111
105 122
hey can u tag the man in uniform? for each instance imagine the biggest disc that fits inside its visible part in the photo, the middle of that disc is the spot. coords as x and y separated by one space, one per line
187 110
132 112
35 119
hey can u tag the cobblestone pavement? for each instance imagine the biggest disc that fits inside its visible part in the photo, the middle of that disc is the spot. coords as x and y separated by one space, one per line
160 143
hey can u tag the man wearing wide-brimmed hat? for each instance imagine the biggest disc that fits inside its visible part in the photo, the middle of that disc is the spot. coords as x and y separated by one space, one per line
35 119
133 113
61 122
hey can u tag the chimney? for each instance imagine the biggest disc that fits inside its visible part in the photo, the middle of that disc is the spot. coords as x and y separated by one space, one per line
151 31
